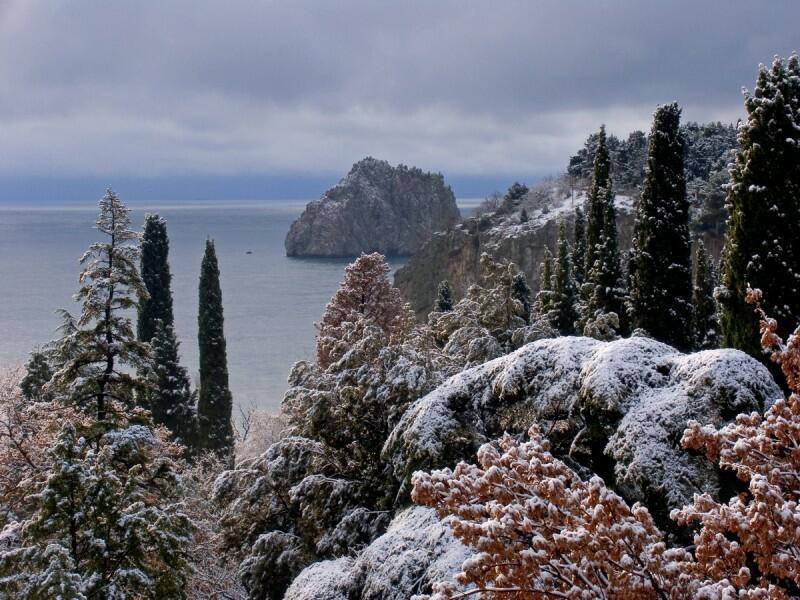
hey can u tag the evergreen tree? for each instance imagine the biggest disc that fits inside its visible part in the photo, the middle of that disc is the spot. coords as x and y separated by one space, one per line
564 295
596 202
521 292
706 316
444 297
523 216
661 282
172 401
156 277
762 247
215 404
579 246
98 356
544 297
37 374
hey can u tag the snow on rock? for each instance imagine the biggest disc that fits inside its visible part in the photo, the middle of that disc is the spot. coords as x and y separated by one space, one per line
624 402
417 550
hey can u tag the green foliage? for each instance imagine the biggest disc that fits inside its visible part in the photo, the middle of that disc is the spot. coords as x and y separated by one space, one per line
706 314
37 374
661 273
521 292
444 296
157 306
544 297
762 248
215 403
579 246
564 296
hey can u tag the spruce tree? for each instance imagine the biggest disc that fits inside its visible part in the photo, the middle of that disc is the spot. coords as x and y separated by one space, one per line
661 274
762 247
98 356
215 404
37 374
579 246
521 292
564 295
172 402
706 315
157 278
444 297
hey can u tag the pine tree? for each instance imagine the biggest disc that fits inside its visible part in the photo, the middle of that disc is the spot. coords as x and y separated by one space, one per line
564 294
706 316
544 297
98 356
603 288
157 278
444 297
661 282
521 292
215 404
172 401
762 247
579 246
37 374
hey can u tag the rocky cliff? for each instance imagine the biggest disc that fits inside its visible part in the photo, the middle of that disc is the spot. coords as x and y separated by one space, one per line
375 208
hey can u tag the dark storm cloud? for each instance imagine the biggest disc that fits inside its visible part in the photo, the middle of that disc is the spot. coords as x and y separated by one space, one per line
253 86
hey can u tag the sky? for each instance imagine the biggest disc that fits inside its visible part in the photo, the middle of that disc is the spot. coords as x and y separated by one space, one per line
200 99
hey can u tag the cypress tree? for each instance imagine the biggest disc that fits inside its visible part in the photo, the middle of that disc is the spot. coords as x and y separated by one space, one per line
661 274
595 202
762 247
521 292
444 297
544 297
37 374
215 404
171 398
157 278
706 316
579 246
564 297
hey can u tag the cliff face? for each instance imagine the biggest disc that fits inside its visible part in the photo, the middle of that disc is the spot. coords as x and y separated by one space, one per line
375 208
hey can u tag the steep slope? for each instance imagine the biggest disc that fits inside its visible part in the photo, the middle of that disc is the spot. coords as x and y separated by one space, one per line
375 208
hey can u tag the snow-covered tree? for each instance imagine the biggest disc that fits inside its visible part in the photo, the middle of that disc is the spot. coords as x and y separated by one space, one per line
564 297
215 403
762 247
98 358
544 297
157 306
579 246
706 314
38 374
521 292
661 273
444 296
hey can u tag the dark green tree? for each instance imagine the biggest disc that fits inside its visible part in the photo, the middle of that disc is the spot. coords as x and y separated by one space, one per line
98 359
544 297
564 295
37 374
706 314
521 291
661 274
215 403
156 277
444 296
172 401
516 192
579 246
523 216
762 247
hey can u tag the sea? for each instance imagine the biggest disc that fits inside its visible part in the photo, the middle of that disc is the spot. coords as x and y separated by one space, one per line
271 302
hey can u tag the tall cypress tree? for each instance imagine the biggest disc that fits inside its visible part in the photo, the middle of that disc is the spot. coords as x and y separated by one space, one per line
215 404
564 297
579 246
171 399
661 273
706 315
762 247
157 278
596 201
544 297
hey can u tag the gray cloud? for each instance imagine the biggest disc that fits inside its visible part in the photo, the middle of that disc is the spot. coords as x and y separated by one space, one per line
182 87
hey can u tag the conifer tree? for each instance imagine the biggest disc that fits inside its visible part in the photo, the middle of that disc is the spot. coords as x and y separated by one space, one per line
156 277
661 274
98 357
595 202
579 246
37 374
172 401
564 295
444 297
762 247
521 292
215 403
706 315
544 297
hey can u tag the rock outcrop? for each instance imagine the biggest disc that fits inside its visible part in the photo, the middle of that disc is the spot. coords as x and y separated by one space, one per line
375 208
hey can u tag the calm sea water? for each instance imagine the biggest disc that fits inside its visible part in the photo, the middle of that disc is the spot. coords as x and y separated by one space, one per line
271 302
